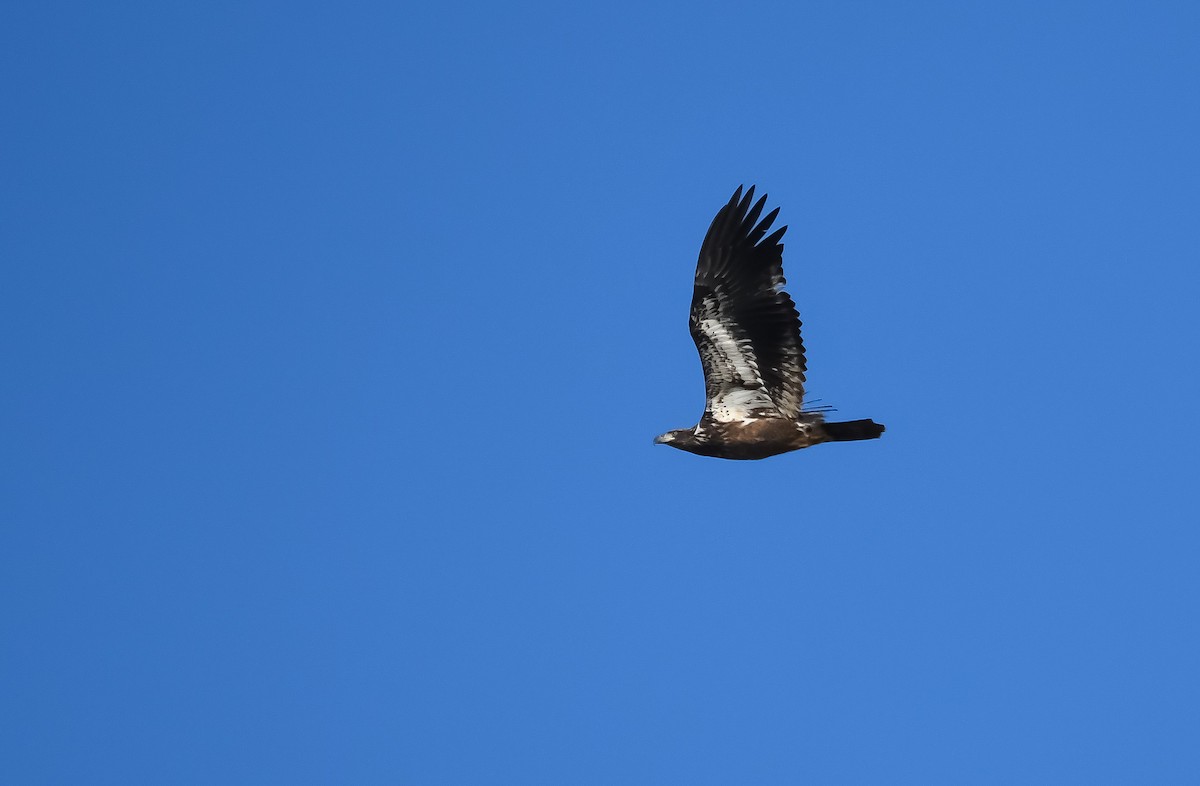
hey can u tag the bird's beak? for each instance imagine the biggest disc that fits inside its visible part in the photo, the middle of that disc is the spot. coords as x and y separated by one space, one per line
662 439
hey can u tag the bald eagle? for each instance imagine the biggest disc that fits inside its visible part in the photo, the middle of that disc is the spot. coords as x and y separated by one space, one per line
747 331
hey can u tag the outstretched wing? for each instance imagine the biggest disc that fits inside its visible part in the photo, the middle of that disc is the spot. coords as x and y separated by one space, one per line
745 326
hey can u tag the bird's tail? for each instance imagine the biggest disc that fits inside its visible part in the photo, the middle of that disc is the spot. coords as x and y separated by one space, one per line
849 430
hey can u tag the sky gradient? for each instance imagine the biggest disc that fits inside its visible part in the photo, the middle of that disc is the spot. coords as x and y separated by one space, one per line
335 338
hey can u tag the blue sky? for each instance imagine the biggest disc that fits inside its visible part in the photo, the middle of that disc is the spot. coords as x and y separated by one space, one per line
335 338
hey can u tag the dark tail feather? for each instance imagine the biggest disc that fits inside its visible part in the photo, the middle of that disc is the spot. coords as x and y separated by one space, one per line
849 430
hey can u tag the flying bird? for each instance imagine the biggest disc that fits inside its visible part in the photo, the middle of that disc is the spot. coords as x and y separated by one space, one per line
747 331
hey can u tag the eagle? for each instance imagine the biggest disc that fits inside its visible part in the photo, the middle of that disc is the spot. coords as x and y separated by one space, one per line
747 331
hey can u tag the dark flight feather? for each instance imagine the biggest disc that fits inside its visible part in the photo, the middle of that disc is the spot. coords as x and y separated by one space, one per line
739 287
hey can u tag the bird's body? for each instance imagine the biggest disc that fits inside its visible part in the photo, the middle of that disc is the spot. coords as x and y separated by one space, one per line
747 331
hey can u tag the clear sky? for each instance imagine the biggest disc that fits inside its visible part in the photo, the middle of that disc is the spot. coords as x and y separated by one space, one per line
335 337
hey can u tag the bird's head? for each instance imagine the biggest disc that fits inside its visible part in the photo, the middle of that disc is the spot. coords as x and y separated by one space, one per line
673 437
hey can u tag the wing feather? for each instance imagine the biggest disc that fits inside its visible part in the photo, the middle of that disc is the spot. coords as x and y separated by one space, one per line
745 325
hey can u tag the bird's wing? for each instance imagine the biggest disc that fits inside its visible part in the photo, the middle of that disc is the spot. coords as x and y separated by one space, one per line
745 326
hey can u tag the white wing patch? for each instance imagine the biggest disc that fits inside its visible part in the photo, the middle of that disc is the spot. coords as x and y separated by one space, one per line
731 371
741 404
738 355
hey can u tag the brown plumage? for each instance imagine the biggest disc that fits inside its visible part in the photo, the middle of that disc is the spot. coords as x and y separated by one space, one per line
747 332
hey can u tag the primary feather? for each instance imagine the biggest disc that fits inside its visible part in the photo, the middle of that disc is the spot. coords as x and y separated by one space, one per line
745 325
